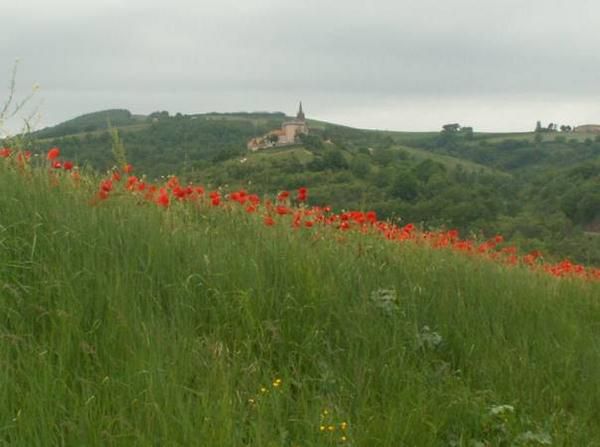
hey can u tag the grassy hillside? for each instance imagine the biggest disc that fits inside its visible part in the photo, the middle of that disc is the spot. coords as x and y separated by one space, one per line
92 122
126 323
541 193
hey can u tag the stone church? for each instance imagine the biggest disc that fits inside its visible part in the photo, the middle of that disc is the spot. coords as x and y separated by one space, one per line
288 134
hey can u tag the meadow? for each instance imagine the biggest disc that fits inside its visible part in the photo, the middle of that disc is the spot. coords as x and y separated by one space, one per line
128 319
540 195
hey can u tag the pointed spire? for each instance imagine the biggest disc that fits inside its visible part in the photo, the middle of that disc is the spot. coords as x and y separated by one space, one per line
300 115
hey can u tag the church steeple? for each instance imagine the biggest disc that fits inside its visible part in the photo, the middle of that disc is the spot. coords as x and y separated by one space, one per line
300 115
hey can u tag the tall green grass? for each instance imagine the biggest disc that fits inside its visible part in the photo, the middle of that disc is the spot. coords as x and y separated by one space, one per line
124 324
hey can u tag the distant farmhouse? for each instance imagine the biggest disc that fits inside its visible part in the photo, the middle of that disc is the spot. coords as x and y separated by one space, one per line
588 128
288 134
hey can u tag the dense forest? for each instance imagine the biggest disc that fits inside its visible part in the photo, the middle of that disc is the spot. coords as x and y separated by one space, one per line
540 191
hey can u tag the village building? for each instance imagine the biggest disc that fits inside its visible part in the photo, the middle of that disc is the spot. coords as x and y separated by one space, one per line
288 134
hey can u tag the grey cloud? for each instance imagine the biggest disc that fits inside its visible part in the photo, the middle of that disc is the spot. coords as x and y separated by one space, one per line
231 55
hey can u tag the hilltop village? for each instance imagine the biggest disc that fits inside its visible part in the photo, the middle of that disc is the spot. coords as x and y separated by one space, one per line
288 134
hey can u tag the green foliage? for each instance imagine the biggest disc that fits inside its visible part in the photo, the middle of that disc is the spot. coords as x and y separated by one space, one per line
384 156
467 132
360 166
159 147
89 122
405 186
334 159
428 168
539 195
312 142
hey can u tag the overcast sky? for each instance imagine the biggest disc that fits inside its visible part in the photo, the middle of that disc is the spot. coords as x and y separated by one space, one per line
391 64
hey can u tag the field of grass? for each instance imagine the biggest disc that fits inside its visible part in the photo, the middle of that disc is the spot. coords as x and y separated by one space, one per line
127 128
122 323
256 119
448 161
304 156
299 152
426 135
530 136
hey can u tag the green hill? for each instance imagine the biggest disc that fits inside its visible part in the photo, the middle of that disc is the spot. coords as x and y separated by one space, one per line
541 193
124 323
91 122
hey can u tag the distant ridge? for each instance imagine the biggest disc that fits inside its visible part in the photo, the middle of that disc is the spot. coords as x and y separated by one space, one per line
90 122
588 128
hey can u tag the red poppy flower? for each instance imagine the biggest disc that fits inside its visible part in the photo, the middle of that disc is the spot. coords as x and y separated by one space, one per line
453 234
173 182
510 250
282 210
408 228
283 195
239 196
302 195
127 169
53 153
106 186
5 152
163 198
179 192
68 165
297 221
269 222
535 254
56 164
215 198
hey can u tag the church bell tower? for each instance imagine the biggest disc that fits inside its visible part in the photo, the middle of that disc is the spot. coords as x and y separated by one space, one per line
300 115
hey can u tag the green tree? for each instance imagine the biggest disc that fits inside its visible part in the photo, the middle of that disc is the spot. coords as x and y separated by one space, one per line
334 159
405 186
360 166
427 168
383 156
467 132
